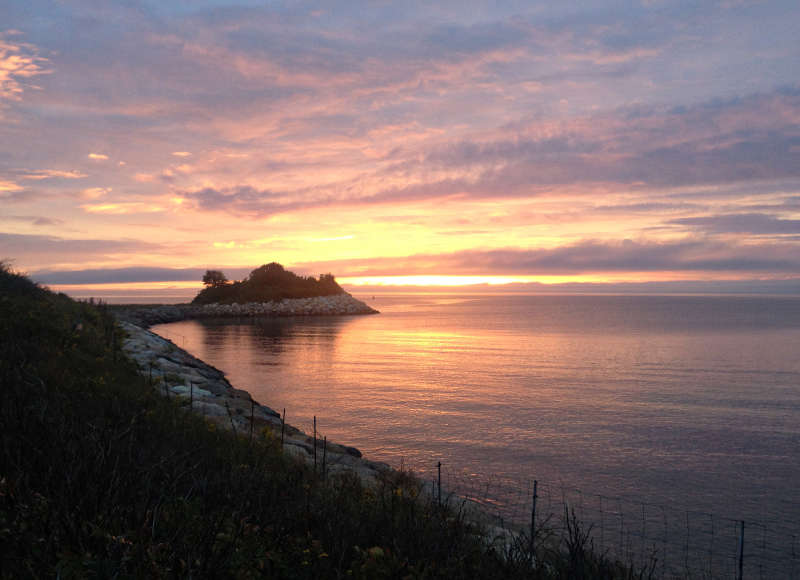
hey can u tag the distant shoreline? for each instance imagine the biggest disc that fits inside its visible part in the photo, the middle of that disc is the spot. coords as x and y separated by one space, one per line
130 299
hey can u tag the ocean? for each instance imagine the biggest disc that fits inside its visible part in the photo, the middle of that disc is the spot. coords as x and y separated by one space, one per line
690 403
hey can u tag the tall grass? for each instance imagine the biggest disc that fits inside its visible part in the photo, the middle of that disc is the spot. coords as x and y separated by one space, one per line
102 477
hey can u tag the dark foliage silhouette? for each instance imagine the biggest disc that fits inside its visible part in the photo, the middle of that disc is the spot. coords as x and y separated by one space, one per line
265 284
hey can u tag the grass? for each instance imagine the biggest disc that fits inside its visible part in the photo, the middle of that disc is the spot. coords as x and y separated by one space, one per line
100 477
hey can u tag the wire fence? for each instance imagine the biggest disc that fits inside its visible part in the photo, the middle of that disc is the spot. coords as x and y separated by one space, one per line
661 540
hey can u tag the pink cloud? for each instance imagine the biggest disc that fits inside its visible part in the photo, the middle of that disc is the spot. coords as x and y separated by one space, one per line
122 208
40 174
19 63
95 192
9 186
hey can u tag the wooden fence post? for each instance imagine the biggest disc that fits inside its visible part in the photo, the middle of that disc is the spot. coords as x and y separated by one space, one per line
533 517
740 576
439 483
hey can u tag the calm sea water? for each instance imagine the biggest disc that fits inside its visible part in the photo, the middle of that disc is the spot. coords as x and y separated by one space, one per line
692 402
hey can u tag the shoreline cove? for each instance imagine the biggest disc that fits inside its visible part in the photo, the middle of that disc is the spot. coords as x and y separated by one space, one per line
176 373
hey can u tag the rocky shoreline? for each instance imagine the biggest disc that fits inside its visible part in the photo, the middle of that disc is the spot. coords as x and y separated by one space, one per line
205 390
334 305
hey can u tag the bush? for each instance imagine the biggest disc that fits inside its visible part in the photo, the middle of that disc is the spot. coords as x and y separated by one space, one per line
265 284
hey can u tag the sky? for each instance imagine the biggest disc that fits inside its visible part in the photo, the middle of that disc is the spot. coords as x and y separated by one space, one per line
588 144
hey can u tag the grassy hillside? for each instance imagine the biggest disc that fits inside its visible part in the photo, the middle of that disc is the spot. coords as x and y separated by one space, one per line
266 283
100 477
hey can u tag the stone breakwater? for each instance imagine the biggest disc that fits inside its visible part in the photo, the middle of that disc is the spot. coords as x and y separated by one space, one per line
335 305
205 390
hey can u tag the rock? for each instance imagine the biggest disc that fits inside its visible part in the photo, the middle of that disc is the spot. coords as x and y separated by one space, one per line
209 409
183 390
352 451
296 451
240 394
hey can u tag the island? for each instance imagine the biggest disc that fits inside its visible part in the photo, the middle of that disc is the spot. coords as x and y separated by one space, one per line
269 290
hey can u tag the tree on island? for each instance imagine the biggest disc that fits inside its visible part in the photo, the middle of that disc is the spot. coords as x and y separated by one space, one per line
264 284
214 278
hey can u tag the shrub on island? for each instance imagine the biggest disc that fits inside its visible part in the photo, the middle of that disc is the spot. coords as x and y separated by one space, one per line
266 283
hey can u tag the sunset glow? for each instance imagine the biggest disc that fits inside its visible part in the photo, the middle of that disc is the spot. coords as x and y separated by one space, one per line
446 145
448 280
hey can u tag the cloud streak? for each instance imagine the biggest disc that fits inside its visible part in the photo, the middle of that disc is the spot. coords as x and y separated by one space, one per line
31 250
749 223
587 257
129 275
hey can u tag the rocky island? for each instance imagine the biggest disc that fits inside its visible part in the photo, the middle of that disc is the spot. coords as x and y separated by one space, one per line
269 290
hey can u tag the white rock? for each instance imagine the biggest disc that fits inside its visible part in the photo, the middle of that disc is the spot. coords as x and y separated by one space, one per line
184 391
